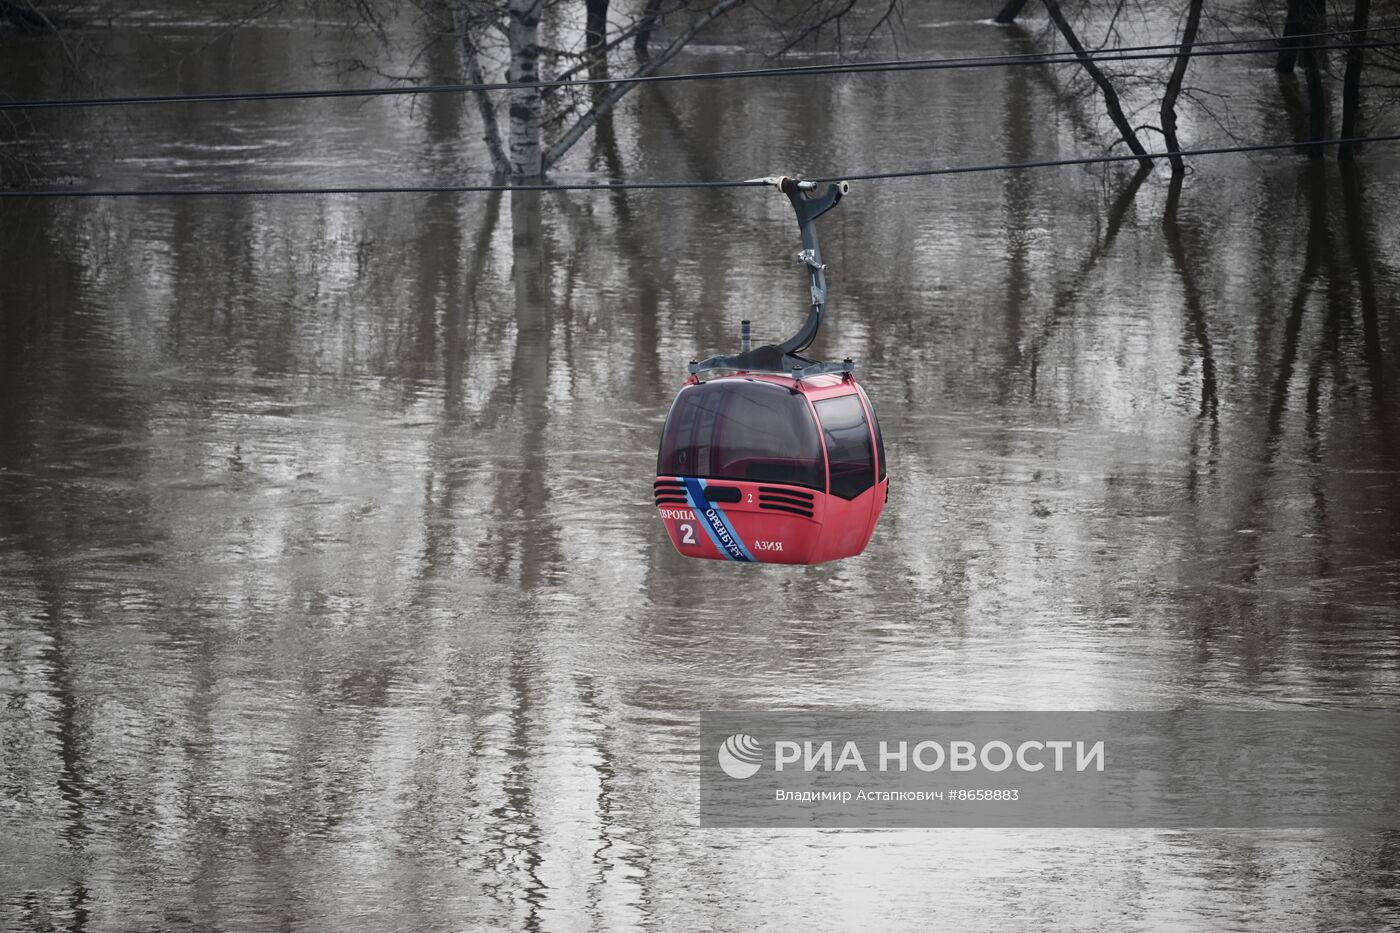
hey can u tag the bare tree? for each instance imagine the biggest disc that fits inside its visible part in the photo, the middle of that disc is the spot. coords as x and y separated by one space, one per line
1173 92
1101 81
534 110
607 102
1302 17
1351 82
799 24
525 152
463 32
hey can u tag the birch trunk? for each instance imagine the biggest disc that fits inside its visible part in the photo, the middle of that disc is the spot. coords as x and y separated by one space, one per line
525 102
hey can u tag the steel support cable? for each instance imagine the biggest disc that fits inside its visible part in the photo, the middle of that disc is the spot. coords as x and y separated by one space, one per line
1127 53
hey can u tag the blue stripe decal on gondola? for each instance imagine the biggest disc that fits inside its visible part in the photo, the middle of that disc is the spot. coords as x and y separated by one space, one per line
715 522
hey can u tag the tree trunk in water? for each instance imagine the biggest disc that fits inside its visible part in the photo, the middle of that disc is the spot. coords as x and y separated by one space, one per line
641 45
1303 17
1010 11
471 65
595 30
525 102
1183 58
1110 96
1292 25
1351 81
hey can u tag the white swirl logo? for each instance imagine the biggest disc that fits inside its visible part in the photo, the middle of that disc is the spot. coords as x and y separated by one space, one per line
740 756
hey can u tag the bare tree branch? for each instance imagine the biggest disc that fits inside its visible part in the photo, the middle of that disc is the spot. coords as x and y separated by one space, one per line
608 101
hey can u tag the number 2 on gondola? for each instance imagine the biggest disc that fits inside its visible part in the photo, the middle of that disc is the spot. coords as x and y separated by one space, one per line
687 533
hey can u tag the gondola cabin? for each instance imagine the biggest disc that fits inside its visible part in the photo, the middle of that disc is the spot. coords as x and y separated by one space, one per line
764 467
780 461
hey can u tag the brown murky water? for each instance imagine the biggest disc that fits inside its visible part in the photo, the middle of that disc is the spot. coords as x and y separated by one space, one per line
332 597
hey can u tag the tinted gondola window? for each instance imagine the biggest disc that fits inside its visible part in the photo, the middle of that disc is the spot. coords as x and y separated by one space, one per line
848 450
741 430
879 439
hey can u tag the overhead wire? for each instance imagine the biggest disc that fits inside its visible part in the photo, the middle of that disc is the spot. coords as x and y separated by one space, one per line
672 185
1213 48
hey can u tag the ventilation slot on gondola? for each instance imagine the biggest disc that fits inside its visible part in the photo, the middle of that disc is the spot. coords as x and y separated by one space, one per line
790 493
764 503
669 492
792 501
785 500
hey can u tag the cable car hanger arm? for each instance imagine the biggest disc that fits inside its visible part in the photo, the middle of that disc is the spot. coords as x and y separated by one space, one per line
809 206
784 357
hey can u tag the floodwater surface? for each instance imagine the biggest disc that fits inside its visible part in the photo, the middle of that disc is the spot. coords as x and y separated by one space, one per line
332 596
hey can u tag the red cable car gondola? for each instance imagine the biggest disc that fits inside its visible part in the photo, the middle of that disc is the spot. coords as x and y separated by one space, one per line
781 461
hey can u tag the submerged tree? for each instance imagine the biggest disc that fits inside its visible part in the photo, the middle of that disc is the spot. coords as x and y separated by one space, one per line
1174 83
544 123
1101 81
1351 82
1304 29
529 126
